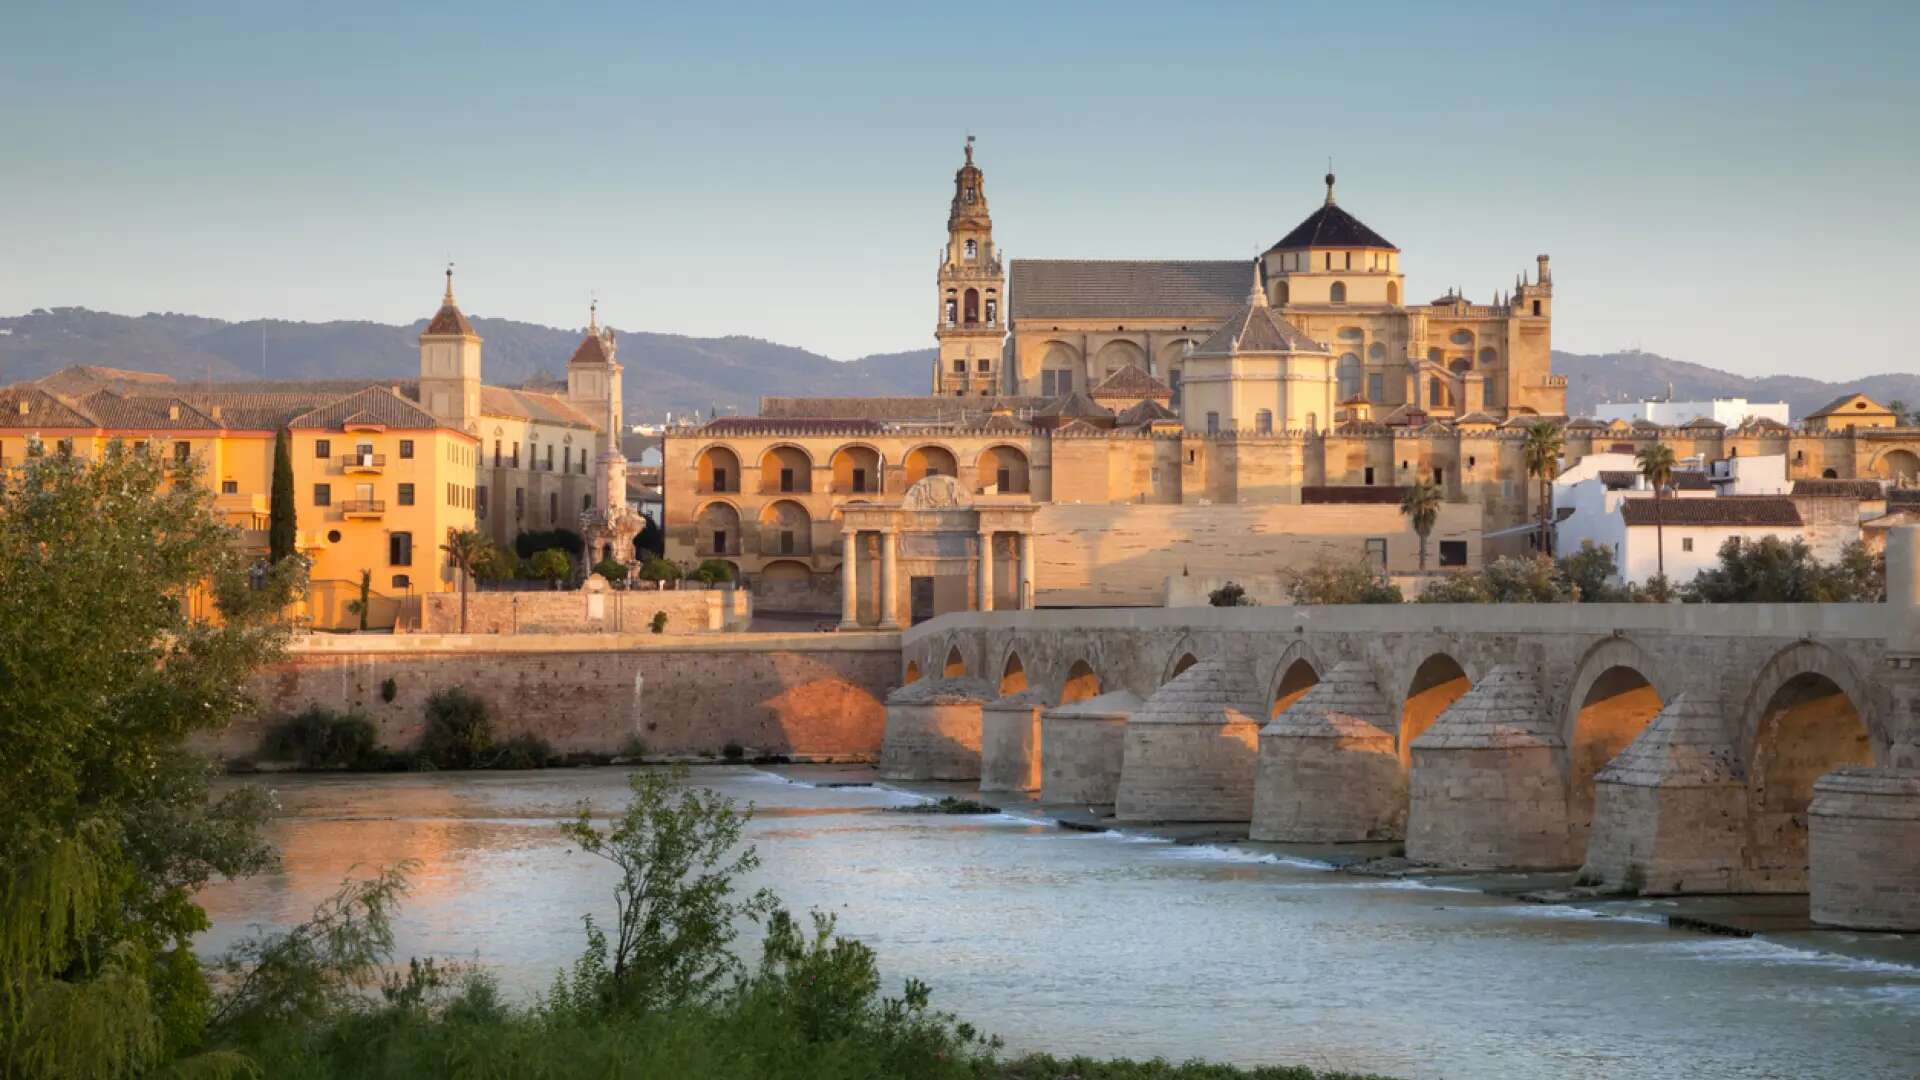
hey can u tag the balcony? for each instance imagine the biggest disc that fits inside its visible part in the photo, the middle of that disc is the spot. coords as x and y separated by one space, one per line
363 508
370 464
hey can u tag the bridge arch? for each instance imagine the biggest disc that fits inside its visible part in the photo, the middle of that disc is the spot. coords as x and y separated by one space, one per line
1082 682
1297 672
1013 674
956 664
1184 655
1808 714
1436 682
1617 690
913 671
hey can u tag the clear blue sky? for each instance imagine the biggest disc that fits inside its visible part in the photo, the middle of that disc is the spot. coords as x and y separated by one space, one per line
1728 183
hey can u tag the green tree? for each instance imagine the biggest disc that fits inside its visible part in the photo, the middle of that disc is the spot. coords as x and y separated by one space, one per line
713 572
496 564
464 549
651 541
1589 572
361 606
281 524
1899 410
1331 581
660 570
1772 570
1421 506
611 569
1232 594
551 565
107 822
1541 452
1656 463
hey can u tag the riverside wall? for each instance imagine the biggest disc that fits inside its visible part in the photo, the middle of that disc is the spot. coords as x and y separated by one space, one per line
817 697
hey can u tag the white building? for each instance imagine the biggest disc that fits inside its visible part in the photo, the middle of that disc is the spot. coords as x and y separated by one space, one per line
1729 411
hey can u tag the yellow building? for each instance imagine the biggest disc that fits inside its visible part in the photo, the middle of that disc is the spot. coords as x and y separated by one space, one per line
382 470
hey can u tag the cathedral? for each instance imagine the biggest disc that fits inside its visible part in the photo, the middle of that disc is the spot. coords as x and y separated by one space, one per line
1314 333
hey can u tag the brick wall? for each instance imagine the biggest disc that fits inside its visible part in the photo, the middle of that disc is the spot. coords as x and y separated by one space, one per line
814 696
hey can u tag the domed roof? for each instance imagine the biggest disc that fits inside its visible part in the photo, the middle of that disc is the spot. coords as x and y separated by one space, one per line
1331 226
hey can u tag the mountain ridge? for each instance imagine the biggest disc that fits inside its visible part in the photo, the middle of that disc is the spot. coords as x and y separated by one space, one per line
679 374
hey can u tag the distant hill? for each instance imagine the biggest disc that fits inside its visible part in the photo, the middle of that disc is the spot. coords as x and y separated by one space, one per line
678 374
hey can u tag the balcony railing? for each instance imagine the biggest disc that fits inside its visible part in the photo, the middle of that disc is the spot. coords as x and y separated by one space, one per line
363 463
363 507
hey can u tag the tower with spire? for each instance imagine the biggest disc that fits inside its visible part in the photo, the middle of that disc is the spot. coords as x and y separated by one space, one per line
450 365
593 375
971 289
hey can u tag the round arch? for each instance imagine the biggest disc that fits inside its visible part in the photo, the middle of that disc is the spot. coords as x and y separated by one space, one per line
1899 465
1059 356
1082 682
1013 675
1114 355
1617 690
858 469
716 528
781 582
785 528
1002 462
716 469
928 459
1297 671
785 467
1437 682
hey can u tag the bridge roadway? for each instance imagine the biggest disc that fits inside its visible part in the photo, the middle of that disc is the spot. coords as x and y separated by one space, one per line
1663 749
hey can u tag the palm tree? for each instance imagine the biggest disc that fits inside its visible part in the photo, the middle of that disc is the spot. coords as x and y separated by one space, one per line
466 549
1542 452
1656 464
1421 506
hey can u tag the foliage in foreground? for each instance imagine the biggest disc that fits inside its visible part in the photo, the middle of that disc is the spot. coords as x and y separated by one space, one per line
1333 581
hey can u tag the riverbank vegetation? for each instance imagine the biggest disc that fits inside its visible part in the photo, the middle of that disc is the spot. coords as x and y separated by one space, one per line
130 620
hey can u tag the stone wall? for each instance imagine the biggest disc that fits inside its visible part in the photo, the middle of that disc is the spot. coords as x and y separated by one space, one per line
807 696
586 611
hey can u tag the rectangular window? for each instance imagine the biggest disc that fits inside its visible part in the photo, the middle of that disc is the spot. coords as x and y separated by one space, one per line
553 508
1369 475
720 480
515 459
1686 543
400 549
1213 423
519 503
322 448
406 495
182 451
586 503
496 453
1377 552
549 457
1376 386
1440 476
859 479
1536 307
402 581
786 479
323 494
1453 553
1263 422
229 487
786 541
1003 479
566 459
982 367
480 503
959 367
719 541
406 448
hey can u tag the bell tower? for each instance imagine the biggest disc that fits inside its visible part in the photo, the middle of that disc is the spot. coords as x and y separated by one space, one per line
971 325
450 365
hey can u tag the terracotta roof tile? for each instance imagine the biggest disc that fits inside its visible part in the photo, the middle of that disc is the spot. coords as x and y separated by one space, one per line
450 320
43 410
1857 489
374 405
514 404
1257 328
1127 288
1726 510
1133 384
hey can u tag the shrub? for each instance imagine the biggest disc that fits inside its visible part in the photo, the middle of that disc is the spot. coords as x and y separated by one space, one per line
611 569
1771 570
1340 582
528 543
713 572
657 569
459 732
496 564
550 565
634 749
1232 594
319 738
733 751
524 752
659 624
389 690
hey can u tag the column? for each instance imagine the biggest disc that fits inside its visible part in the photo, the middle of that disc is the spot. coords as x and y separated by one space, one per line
850 579
889 579
986 569
1026 569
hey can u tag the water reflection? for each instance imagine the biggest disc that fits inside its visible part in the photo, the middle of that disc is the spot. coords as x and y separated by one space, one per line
1097 943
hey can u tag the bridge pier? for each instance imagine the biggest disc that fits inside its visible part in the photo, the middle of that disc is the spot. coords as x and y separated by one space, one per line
1081 747
1329 770
933 730
1669 813
1864 845
1487 791
1010 742
1191 750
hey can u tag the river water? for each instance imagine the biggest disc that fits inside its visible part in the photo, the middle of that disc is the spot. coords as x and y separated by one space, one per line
1120 946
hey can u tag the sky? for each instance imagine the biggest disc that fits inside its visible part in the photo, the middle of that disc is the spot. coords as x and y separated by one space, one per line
1731 184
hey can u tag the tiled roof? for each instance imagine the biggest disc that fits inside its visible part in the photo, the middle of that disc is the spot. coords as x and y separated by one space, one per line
514 404
1626 479
1331 226
1145 412
1704 422
593 349
1478 418
450 320
111 410
1585 423
764 425
1074 405
1256 328
1839 405
374 405
1005 421
1761 510
1079 427
1127 288
1133 384
942 408
44 410
78 380
1856 489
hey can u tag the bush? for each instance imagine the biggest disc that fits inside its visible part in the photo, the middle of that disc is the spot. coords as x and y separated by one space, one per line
527 544
611 569
713 572
319 738
659 623
1231 595
657 569
733 751
1771 570
389 690
496 564
524 752
550 565
459 732
1340 582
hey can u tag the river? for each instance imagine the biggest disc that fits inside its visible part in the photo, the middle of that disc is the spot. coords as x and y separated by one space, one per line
1119 945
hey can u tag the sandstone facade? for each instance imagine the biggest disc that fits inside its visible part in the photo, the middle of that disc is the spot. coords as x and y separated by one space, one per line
933 730
1082 748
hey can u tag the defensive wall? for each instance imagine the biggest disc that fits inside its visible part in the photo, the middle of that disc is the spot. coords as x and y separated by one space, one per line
1659 748
593 609
806 696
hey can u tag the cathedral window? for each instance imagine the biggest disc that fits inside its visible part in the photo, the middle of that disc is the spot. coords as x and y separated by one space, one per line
1376 386
972 306
1348 373
993 310
1338 294
1393 293
1263 422
1536 307
973 249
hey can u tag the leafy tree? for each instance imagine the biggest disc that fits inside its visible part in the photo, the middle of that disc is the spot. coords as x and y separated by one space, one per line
713 572
1859 577
1232 594
1656 462
528 544
1340 582
106 821
1536 579
459 731
1589 573
496 564
651 541
360 606
660 570
1772 570
1421 506
1541 453
674 906
281 523
611 569
551 565
1899 410
464 548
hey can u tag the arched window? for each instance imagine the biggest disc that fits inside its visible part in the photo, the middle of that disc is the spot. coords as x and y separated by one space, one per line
1263 422
1282 293
1436 393
1349 372
1338 294
1393 292
973 305
993 309
973 249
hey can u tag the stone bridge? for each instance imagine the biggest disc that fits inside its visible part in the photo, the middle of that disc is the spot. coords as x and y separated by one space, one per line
1660 748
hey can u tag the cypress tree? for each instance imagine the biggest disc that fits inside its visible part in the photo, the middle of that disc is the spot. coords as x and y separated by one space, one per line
280 522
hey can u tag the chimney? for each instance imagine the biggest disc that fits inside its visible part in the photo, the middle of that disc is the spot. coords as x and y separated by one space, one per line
173 411
24 407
